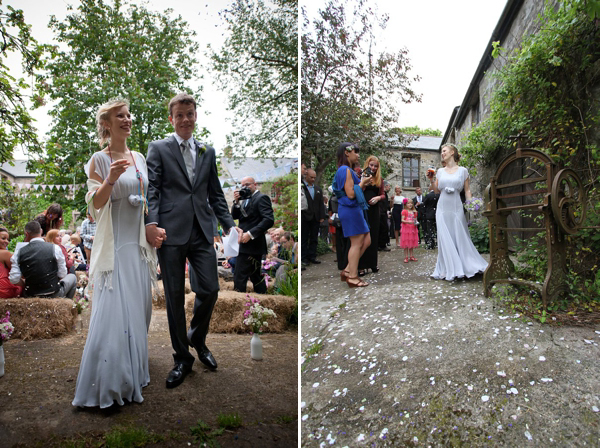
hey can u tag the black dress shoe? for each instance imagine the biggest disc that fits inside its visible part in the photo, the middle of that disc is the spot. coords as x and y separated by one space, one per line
315 261
177 375
207 359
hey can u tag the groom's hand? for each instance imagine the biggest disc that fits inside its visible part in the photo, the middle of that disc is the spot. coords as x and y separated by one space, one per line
155 235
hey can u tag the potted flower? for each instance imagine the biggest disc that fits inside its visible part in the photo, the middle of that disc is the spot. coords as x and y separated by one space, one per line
256 316
80 302
6 331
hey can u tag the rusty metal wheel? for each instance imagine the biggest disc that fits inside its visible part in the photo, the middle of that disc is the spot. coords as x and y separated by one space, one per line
568 201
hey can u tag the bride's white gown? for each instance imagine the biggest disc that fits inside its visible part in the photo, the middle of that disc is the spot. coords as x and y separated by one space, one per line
114 365
457 256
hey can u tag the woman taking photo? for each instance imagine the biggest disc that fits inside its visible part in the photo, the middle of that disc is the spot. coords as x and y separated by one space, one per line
457 256
351 205
373 194
114 365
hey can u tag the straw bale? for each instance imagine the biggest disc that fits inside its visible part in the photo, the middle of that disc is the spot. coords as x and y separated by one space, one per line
158 294
37 318
228 314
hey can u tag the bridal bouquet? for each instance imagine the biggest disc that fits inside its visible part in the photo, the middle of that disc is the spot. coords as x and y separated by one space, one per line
6 328
256 315
474 204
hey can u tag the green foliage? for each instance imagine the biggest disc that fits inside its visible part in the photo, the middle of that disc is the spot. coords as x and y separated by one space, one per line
204 436
546 90
16 124
286 202
108 51
258 68
129 437
289 286
349 92
480 235
322 247
416 130
229 421
13 242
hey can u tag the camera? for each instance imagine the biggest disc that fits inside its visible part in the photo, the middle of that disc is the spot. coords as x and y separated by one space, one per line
245 193
367 172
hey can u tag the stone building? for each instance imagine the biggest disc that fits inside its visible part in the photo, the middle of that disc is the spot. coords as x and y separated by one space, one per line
518 19
409 163
17 174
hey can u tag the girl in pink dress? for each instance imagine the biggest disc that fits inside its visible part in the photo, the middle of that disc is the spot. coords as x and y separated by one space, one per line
409 238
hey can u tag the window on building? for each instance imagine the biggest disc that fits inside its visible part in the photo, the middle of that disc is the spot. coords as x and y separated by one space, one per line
410 171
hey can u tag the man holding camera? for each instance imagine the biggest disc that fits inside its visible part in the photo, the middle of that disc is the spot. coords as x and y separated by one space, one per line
255 214
312 218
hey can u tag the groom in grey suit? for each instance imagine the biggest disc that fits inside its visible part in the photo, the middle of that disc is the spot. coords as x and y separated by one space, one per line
183 181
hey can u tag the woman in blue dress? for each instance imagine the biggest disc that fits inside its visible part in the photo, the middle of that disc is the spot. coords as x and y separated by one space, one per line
351 206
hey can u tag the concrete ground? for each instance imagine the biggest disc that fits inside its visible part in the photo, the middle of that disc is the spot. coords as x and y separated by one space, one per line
412 361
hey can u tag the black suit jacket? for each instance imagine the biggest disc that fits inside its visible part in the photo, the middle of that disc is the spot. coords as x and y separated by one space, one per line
259 218
420 208
315 211
172 199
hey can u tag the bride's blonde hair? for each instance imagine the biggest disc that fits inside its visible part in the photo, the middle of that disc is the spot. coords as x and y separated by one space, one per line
103 115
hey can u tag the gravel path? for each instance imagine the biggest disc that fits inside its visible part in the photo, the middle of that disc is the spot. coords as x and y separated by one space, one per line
412 361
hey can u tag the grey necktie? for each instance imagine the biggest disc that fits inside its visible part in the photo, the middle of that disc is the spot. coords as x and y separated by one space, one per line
188 159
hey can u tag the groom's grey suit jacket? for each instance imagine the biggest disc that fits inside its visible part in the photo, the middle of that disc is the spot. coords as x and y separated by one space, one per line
173 200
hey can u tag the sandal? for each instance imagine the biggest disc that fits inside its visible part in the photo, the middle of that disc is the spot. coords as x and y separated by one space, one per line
406 260
359 284
344 275
375 269
362 272
412 259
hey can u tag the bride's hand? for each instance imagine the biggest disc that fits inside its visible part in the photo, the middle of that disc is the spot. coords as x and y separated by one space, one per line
117 168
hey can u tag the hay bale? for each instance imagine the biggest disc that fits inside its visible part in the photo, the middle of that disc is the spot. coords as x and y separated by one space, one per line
228 314
158 294
36 318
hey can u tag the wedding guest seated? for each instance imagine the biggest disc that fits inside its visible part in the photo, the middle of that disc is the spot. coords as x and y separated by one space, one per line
7 289
41 267
66 238
76 253
53 236
50 219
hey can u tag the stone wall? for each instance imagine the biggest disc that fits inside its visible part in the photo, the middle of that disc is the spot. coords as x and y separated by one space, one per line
394 158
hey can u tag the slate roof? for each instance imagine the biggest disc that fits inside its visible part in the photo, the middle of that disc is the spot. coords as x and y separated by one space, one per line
19 170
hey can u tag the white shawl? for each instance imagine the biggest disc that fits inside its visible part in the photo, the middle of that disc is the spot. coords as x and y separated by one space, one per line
103 248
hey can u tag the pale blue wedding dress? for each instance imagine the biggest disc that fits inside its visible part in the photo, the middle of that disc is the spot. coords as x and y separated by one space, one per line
457 256
114 365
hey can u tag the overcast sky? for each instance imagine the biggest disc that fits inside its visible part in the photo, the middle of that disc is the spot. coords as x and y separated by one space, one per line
201 15
445 41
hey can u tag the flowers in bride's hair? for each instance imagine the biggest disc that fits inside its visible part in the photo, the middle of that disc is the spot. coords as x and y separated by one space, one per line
256 315
6 328
474 204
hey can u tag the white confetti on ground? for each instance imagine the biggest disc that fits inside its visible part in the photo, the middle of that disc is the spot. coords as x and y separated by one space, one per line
485 398
528 435
542 358
360 438
316 385
595 408
546 380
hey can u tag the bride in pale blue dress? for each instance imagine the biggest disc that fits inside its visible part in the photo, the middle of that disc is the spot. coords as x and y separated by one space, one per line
114 365
457 256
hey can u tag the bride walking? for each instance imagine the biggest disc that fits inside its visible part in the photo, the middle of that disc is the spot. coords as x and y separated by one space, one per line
457 256
114 365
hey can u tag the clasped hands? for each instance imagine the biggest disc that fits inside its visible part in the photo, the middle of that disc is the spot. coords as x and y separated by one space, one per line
157 235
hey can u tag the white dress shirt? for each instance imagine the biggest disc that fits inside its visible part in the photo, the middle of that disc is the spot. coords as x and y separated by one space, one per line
15 272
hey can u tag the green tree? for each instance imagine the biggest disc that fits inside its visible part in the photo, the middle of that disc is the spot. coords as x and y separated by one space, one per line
285 204
123 50
349 92
258 67
16 124
416 131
